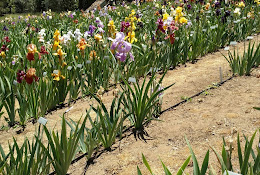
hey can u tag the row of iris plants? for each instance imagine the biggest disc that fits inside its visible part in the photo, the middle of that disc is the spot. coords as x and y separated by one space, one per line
106 126
53 151
247 159
55 58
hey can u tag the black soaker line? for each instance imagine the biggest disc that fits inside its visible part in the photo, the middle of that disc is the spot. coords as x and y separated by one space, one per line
168 109
184 101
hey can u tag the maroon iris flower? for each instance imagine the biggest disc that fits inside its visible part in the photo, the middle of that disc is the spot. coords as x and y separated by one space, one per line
20 76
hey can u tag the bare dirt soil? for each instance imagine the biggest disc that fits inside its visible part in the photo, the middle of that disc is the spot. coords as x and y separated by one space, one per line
217 113
223 112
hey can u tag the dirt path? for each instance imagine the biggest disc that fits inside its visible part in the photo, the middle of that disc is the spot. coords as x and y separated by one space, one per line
205 120
192 119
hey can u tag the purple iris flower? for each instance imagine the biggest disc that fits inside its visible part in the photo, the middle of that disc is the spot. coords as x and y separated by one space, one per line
217 4
122 47
188 24
5 28
153 38
99 23
120 36
164 3
197 18
91 29
227 13
121 56
140 24
218 12
101 13
201 1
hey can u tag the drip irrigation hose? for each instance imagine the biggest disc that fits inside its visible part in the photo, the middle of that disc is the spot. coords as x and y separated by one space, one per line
130 127
195 95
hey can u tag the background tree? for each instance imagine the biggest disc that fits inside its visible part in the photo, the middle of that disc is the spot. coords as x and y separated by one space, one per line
40 5
69 5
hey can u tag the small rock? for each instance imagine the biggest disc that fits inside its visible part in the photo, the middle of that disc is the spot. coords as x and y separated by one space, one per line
219 122
258 74
225 121
232 115
248 110
233 130
206 115
190 164
200 100
175 148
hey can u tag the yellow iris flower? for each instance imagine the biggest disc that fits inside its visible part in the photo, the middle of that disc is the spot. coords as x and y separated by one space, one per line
183 20
60 54
2 54
241 4
57 76
165 16
111 28
178 10
55 45
132 13
98 37
131 37
56 35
